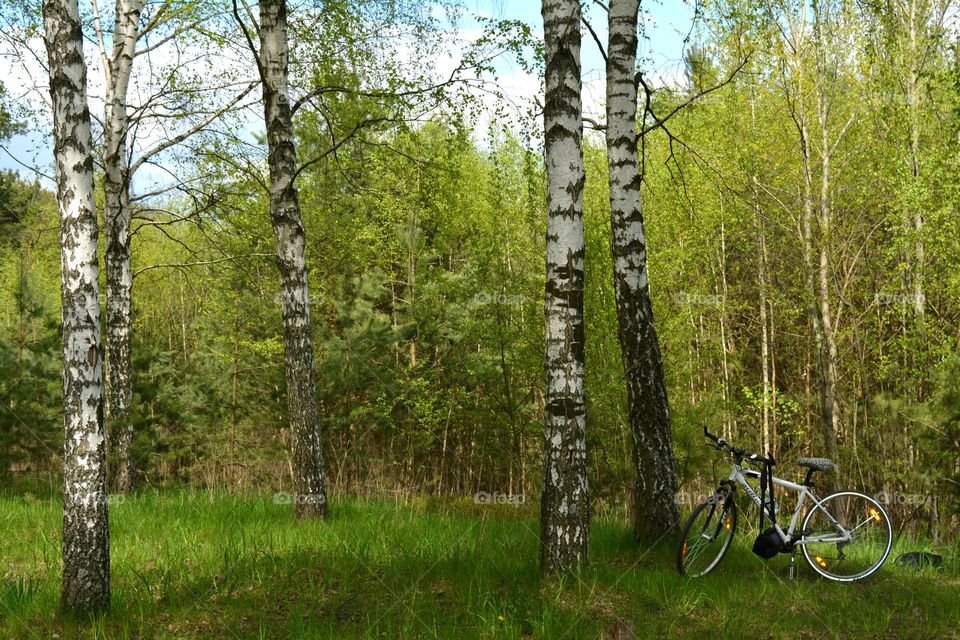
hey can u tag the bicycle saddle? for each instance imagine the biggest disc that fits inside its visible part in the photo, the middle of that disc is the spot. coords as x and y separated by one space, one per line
815 464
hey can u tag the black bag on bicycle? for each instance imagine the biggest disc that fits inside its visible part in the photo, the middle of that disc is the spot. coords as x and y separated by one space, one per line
768 543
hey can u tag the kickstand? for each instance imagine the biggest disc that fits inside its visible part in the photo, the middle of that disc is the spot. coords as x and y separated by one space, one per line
793 560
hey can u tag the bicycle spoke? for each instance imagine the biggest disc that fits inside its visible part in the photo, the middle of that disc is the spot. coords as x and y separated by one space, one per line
707 536
698 548
834 550
857 528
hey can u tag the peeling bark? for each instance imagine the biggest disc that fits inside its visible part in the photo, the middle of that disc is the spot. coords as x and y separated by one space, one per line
565 505
119 276
86 543
309 476
655 507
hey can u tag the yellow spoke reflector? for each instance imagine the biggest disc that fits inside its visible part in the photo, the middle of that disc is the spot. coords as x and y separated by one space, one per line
728 523
683 552
874 514
821 561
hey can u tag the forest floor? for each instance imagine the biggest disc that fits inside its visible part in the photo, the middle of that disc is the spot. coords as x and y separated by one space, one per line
200 565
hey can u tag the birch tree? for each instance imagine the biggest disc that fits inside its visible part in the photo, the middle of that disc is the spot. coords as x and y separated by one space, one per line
654 497
86 543
119 278
272 61
165 27
564 506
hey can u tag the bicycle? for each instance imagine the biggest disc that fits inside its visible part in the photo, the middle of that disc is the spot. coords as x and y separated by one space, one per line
845 537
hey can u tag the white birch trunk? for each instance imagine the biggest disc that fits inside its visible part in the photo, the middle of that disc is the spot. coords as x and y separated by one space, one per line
309 476
655 506
86 542
565 505
119 276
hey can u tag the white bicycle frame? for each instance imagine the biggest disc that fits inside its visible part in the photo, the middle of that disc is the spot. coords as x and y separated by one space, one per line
739 476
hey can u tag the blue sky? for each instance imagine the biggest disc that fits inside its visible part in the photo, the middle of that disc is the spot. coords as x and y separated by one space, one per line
666 24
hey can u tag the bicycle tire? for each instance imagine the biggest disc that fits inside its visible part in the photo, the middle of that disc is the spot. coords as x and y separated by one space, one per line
727 509
875 517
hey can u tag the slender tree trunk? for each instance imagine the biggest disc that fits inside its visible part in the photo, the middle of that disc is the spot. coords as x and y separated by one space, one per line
655 505
411 236
813 274
724 322
86 535
768 444
816 274
309 476
828 350
116 187
232 476
763 283
773 371
564 506
914 219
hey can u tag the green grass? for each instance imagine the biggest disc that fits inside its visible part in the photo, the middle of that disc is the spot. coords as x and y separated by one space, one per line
212 566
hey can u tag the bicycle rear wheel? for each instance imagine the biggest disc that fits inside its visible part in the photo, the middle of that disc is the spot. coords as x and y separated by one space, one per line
706 536
830 553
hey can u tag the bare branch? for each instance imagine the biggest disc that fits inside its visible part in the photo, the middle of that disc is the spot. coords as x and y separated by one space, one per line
659 122
164 40
166 144
187 265
597 126
336 145
843 132
596 38
107 67
246 35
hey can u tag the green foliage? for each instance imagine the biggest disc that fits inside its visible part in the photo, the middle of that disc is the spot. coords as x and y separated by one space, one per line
31 424
9 125
425 249
944 435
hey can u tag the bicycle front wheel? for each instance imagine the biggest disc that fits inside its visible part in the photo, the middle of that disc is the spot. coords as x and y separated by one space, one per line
706 536
846 537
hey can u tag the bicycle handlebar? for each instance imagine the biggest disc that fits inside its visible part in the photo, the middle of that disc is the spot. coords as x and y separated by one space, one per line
739 454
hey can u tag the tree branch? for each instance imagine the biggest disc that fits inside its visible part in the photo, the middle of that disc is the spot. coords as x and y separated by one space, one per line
107 67
686 103
596 38
187 265
249 39
597 126
166 144
336 145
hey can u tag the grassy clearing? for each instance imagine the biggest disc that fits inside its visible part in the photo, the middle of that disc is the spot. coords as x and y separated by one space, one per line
201 565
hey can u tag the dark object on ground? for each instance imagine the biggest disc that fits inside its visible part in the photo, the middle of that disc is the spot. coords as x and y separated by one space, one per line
920 559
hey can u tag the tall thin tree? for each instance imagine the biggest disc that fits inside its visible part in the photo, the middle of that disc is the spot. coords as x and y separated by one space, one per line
131 28
119 278
272 62
565 505
655 506
86 535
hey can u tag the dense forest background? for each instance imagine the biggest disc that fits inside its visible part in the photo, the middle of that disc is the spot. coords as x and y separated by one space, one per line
814 164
